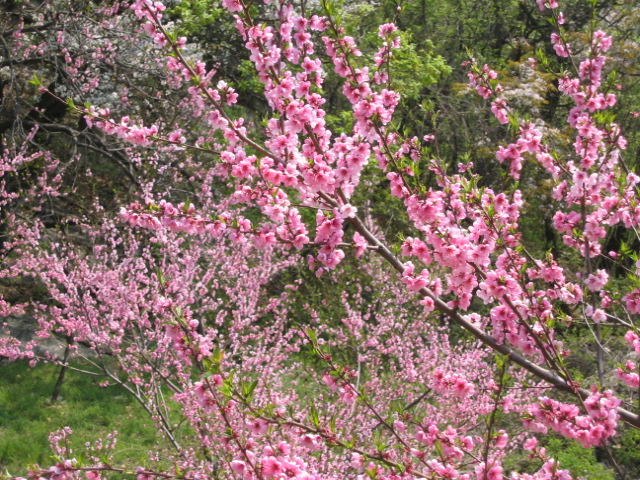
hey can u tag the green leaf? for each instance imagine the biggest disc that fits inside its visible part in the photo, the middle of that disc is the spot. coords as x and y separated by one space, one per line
226 388
312 336
35 80
438 446
313 416
248 388
625 249
160 277
501 360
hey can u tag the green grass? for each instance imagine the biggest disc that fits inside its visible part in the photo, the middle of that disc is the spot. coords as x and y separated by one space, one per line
27 416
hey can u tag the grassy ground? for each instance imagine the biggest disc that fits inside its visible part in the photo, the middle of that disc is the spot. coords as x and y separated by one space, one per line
27 416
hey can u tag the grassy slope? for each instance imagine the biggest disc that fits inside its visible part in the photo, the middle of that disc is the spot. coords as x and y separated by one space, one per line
27 416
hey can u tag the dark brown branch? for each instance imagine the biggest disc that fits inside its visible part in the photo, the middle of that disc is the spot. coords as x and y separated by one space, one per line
536 370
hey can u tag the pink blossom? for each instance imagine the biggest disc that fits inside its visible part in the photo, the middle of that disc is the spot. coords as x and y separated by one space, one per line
271 467
258 426
530 444
233 5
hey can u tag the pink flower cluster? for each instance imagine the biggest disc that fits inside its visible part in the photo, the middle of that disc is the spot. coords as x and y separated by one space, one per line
64 470
453 447
274 463
466 247
152 11
135 134
627 374
300 152
482 79
542 4
590 430
346 392
188 344
529 141
183 218
177 219
634 340
443 383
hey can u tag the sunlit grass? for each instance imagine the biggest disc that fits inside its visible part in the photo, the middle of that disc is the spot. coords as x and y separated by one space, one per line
27 416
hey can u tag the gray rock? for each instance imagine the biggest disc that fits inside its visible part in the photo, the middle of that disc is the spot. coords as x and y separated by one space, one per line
24 328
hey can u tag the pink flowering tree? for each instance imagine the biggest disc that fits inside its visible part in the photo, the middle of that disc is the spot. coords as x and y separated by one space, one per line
394 396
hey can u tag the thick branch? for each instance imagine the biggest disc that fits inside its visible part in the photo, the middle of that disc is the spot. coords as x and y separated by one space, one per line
35 28
542 373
